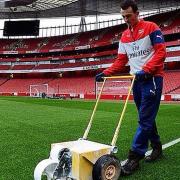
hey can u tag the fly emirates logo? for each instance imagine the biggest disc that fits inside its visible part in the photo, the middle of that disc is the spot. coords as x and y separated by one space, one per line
139 53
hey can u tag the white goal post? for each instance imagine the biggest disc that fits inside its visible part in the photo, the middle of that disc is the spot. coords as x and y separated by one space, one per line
39 90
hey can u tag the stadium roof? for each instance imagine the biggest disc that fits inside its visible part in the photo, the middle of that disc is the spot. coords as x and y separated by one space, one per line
15 9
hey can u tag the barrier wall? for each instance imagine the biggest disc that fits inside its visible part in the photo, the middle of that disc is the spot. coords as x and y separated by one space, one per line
166 97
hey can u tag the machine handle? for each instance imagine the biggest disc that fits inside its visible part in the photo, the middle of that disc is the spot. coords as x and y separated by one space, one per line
123 111
94 110
95 107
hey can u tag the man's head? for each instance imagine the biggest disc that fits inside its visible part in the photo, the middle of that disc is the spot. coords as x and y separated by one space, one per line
129 11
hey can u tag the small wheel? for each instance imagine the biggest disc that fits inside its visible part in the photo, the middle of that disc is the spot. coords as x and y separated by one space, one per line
107 167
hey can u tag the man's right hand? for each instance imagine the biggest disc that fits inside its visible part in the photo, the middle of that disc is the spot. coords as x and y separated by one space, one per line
100 77
142 75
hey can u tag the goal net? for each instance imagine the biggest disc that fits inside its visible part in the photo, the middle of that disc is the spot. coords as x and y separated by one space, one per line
41 90
116 87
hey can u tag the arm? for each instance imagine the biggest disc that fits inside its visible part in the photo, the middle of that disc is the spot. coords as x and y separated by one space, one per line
117 66
119 63
156 62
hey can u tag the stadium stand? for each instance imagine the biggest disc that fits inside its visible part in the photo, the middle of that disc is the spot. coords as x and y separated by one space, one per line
171 82
20 85
78 85
46 66
4 67
22 67
85 51
94 38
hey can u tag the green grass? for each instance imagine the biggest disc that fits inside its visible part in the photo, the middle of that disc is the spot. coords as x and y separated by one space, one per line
29 126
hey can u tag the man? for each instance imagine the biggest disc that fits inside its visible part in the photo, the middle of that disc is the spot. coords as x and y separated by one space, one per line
142 45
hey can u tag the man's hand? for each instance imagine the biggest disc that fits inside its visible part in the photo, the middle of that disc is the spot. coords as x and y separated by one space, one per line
100 77
142 75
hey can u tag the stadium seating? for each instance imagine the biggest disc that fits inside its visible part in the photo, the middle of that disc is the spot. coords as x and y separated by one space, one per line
78 85
171 82
4 67
93 38
46 66
22 67
73 85
55 53
173 43
20 85
173 53
173 27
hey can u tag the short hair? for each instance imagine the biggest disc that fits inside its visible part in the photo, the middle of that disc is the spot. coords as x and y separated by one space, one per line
129 3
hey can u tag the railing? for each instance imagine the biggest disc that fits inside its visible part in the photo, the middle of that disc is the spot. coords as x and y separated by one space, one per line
71 29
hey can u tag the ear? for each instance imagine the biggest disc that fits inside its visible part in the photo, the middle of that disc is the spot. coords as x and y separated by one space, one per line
137 13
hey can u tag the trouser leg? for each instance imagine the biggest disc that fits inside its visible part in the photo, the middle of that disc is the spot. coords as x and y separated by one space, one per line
149 104
137 94
154 135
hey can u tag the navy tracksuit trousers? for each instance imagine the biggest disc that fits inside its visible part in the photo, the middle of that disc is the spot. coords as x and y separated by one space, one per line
147 96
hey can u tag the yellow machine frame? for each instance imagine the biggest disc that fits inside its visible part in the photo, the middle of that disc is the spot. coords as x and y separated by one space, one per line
84 153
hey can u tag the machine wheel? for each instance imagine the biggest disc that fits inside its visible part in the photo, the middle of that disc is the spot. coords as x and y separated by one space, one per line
107 167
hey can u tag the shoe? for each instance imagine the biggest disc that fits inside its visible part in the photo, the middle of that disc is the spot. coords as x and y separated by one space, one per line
156 152
132 163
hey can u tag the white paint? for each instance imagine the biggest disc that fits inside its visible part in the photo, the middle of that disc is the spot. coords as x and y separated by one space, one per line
163 147
83 146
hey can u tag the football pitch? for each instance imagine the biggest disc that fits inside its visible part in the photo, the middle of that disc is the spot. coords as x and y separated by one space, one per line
28 127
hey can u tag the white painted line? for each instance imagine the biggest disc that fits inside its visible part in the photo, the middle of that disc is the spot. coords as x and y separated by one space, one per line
169 144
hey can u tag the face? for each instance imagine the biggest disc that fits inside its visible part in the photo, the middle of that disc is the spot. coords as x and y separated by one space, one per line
130 17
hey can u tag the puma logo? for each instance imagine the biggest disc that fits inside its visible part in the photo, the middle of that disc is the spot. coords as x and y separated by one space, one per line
153 92
158 36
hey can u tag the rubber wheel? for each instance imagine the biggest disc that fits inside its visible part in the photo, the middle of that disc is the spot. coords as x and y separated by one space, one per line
107 167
